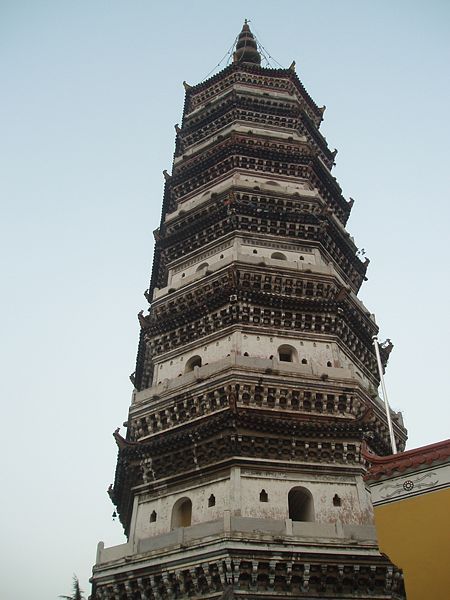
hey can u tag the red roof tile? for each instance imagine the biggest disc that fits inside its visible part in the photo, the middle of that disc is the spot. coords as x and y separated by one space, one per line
385 466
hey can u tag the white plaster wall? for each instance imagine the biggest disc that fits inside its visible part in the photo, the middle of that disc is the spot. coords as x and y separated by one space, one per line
240 248
260 346
201 512
214 256
292 256
288 186
265 346
209 352
198 199
353 509
267 131
316 353
346 362
214 259
241 494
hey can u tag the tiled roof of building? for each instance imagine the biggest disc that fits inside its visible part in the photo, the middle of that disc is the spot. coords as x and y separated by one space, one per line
385 466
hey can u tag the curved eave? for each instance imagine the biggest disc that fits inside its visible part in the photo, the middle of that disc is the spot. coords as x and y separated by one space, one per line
386 466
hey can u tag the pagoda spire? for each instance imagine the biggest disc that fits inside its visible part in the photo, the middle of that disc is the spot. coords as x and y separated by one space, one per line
246 47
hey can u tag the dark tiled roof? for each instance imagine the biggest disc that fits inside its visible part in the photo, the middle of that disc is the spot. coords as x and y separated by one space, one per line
386 466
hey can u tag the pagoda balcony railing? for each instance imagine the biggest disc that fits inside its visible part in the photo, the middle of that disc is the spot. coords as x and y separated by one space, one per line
260 261
239 125
309 372
319 392
245 529
288 192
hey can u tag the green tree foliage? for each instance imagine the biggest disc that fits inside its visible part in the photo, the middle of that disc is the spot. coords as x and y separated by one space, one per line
77 592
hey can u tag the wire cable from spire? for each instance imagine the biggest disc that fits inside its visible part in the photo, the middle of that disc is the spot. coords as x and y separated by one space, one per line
264 52
269 59
229 53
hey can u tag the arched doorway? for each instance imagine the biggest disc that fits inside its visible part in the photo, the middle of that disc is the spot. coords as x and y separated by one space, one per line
287 353
194 361
278 256
182 513
301 504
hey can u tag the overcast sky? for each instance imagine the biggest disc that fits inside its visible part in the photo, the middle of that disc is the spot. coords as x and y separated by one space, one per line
90 93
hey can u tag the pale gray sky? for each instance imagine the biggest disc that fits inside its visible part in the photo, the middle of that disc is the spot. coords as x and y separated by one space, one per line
90 93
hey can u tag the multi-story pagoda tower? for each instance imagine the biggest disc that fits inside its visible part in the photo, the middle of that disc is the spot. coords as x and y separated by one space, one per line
241 473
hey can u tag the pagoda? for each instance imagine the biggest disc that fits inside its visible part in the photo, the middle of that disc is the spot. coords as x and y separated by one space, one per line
256 382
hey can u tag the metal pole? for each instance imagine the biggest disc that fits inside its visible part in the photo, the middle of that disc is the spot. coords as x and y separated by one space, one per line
385 398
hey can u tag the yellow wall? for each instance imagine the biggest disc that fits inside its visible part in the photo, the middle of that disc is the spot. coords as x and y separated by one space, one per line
415 534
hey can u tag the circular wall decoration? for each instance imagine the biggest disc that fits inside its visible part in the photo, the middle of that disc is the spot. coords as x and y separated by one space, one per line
408 485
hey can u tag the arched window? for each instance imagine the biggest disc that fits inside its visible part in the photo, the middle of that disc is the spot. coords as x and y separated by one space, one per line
263 497
211 500
336 500
329 364
204 265
301 505
194 361
153 517
304 361
287 353
182 513
278 256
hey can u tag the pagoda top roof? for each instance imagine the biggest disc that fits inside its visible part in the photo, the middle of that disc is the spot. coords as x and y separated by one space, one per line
246 47
383 467
247 58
